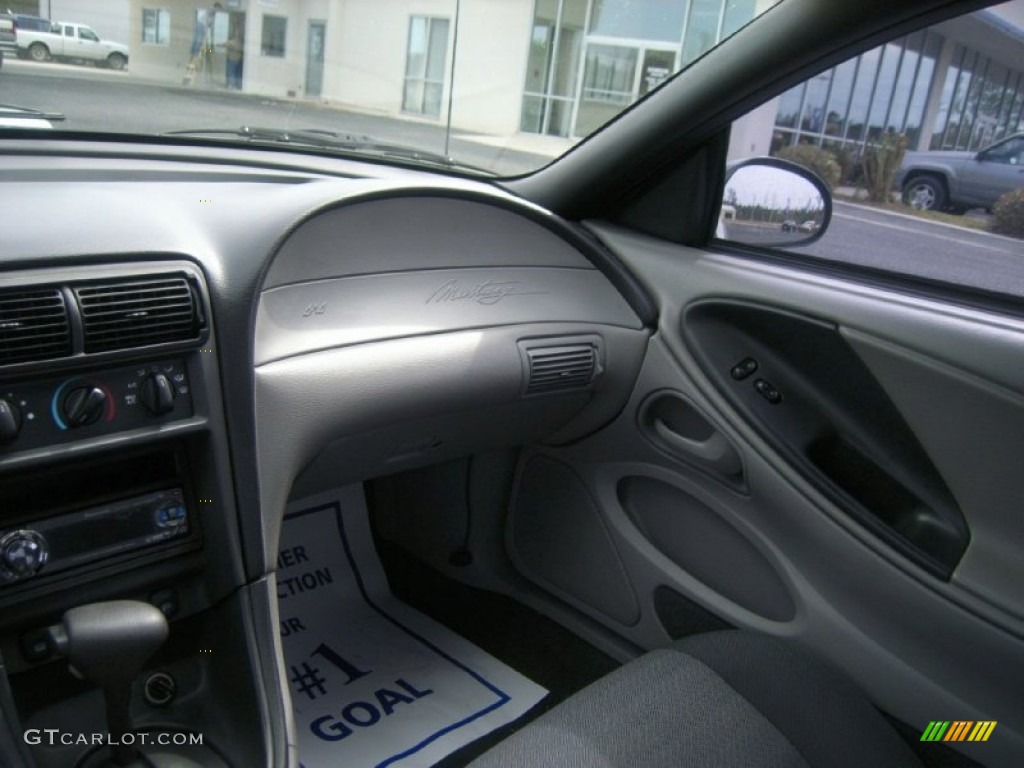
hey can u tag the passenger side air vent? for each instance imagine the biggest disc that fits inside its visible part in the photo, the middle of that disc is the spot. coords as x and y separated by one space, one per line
33 325
137 312
559 368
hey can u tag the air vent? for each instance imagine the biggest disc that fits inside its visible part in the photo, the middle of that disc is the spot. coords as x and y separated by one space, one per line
33 325
556 369
125 314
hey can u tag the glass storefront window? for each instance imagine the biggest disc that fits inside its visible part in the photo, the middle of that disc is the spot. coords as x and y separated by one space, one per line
789 107
813 120
882 92
922 87
655 20
737 14
701 29
861 99
839 98
895 119
608 76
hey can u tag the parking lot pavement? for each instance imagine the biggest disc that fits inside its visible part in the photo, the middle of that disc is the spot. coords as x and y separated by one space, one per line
922 248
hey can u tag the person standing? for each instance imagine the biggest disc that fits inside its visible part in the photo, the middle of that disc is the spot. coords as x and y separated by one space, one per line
234 48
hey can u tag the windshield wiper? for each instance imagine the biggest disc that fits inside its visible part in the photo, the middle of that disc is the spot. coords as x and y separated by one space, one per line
13 111
333 140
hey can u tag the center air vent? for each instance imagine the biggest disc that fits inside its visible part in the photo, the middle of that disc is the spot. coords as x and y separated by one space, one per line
559 368
137 312
33 325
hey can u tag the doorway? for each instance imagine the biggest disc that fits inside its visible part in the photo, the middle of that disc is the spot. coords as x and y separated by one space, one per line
614 76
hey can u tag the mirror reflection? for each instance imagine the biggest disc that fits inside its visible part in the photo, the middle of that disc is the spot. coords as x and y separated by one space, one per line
766 205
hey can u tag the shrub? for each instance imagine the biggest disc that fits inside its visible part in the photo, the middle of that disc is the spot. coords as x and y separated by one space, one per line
880 163
815 159
1009 213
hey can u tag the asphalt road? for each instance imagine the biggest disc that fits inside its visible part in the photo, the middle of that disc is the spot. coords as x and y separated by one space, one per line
952 254
857 234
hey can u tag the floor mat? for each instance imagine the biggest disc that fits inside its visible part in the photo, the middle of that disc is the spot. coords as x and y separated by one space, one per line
374 682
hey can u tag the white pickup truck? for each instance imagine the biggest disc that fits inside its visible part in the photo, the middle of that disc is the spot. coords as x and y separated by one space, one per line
67 40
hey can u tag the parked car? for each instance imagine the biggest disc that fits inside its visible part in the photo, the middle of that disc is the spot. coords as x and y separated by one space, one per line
67 40
960 180
809 226
789 225
8 35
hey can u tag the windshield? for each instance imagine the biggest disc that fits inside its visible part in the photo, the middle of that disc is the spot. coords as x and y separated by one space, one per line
502 86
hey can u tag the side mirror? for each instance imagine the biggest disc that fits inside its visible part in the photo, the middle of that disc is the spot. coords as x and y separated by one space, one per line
771 202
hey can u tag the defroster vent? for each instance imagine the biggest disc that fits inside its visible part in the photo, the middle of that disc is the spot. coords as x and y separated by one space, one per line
560 368
33 325
137 312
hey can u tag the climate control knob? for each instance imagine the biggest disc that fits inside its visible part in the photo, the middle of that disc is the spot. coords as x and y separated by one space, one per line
10 422
158 394
22 554
84 405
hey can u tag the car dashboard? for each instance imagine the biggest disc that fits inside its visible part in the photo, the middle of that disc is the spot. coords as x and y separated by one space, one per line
193 335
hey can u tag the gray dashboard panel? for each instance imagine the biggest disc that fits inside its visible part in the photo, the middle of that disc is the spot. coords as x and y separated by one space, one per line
327 313
425 231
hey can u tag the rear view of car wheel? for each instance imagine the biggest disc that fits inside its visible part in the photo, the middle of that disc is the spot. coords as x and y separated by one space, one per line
39 52
926 193
116 61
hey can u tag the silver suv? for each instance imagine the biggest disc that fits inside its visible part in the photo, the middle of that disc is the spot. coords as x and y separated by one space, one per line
960 180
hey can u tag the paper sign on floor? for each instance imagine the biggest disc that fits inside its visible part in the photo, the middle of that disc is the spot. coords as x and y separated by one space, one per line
373 681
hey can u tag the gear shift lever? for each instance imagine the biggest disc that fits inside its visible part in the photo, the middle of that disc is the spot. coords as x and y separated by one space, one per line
108 644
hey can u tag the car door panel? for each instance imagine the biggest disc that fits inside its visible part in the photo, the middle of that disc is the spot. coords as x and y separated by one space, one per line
931 393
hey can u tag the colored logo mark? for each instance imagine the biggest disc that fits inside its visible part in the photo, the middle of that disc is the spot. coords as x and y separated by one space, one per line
958 730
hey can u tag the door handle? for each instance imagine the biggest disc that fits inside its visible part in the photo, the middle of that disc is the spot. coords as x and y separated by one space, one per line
715 451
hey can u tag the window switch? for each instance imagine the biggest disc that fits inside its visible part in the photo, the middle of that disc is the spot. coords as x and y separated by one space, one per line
768 391
743 369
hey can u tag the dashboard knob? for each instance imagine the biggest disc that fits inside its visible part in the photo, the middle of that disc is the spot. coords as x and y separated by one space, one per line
10 422
158 394
22 554
84 405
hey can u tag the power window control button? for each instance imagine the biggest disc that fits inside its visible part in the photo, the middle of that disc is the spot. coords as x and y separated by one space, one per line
768 391
743 369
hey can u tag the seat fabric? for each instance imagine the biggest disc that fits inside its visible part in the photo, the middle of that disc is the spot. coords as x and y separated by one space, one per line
717 700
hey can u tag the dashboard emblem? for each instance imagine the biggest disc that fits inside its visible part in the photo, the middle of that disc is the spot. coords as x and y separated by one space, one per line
488 293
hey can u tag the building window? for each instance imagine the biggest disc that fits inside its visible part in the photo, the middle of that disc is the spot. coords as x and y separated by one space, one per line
156 26
272 38
424 65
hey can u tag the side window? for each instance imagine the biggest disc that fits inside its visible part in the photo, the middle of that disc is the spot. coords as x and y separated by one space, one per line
1010 152
69 31
87 34
895 133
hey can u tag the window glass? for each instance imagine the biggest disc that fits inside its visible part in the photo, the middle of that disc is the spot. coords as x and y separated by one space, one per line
85 33
608 77
870 128
701 28
426 56
863 88
839 98
640 19
156 25
272 41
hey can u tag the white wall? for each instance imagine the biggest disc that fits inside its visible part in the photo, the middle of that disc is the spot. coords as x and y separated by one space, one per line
110 18
366 53
751 134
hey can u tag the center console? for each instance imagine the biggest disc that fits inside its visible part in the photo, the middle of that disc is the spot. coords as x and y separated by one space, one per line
115 490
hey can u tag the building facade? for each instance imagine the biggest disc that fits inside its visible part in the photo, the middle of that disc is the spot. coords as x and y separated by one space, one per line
561 68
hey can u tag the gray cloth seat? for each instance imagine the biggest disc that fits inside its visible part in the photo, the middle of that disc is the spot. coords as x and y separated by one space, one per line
720 699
